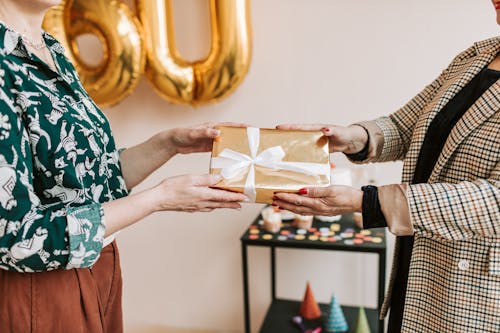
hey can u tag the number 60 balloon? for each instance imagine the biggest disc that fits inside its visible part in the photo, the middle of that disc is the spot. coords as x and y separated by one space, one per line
129 46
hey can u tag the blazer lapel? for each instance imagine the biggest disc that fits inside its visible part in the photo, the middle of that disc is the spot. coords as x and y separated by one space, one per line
466 72
484 108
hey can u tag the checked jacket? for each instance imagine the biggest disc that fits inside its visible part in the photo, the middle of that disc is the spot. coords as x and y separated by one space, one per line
454 276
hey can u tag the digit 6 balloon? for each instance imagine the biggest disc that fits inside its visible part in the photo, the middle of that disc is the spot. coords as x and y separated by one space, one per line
131 48
120 33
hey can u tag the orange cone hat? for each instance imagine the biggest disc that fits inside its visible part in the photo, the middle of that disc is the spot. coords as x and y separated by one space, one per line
309 309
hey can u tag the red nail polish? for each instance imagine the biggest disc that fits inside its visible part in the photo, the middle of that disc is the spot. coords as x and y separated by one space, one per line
275 205
303 191
325 129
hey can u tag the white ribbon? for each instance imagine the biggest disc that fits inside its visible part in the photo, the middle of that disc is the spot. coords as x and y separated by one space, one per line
233 163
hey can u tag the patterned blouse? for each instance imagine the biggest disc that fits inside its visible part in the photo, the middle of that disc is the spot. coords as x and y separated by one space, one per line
58 162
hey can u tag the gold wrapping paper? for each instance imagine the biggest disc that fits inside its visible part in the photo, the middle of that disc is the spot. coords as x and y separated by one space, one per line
299 146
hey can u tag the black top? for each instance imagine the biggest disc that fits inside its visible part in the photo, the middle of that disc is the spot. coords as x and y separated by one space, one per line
433 143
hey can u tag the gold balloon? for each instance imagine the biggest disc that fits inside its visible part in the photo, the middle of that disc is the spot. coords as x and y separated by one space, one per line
120 34
206 80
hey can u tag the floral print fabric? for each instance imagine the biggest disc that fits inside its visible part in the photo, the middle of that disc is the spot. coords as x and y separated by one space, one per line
58 162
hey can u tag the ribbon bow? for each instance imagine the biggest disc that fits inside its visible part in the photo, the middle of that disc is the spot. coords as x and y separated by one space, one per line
233 163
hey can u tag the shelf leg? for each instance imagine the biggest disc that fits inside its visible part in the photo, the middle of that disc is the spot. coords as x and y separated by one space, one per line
273 273
246 300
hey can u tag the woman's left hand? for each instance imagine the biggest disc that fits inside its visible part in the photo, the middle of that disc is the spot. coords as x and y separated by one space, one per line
141 160
195 139
328 201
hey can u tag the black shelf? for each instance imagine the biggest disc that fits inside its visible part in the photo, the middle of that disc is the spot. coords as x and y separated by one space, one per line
280 313
342 235
346 223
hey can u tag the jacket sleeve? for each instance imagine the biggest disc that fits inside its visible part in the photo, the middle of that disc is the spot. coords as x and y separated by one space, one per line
462 211
34 237
390 136
466 210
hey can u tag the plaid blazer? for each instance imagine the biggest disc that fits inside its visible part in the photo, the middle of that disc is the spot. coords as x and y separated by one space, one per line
454 277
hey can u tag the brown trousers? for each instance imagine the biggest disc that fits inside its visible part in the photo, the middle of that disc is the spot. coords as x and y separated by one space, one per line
64 301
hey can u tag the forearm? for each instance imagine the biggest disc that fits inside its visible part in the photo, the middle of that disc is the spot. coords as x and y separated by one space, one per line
139 161
123 212
394 207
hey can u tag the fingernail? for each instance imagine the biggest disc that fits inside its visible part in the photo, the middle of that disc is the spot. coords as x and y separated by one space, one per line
325 129
275 197
274 204
303 191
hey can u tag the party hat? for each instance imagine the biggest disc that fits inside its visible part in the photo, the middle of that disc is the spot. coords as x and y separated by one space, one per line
335 321
362 322
309 309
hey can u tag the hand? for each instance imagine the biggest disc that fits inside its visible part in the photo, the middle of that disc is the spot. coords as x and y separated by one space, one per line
194 139
139 161
349 140
193 194
328 201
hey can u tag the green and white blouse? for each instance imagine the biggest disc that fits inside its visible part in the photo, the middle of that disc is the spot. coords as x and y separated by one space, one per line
58 162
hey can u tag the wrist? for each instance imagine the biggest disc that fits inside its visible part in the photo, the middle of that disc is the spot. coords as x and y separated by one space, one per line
164 142
152 199
358 139
357 201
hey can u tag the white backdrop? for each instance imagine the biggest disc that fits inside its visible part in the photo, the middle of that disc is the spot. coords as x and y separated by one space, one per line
327 61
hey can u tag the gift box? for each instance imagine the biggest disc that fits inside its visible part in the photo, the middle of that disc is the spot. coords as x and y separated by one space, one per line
259 162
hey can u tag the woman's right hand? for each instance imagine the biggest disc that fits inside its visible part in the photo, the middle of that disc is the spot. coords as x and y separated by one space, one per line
191 193
182 193
344 139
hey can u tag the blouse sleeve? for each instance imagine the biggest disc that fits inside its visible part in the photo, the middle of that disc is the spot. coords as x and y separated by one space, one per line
33 237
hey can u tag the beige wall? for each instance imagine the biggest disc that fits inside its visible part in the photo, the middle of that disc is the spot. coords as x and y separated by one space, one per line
328 61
